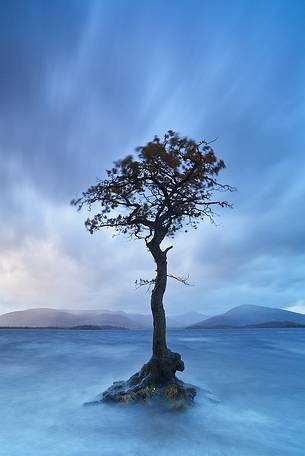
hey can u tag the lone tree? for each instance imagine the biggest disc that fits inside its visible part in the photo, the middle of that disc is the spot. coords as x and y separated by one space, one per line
169 186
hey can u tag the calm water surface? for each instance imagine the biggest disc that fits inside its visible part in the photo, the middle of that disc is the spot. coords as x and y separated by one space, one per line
251 403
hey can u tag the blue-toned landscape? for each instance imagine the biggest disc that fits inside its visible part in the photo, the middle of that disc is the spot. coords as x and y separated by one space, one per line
152 228
251 402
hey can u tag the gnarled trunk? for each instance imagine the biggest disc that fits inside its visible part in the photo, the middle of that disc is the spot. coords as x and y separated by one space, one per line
157 377
164 363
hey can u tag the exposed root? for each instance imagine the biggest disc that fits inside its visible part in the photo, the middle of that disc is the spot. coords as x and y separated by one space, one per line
155 381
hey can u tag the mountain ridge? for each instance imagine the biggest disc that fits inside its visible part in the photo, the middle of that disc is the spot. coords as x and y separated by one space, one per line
248 314
48 317
245 315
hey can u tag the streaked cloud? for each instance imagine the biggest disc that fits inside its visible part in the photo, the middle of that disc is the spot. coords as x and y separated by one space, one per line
83 83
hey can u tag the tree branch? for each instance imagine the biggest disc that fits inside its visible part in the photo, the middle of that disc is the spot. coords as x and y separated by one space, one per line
168 249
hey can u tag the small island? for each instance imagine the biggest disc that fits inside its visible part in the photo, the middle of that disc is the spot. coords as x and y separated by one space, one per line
98 327
65 328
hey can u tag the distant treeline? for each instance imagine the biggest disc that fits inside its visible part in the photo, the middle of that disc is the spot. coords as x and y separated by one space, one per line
270 324
79 327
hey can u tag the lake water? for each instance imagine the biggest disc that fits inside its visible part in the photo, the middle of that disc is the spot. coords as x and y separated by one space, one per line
251 402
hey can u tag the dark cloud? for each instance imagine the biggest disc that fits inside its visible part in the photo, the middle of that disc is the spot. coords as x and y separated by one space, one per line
82 83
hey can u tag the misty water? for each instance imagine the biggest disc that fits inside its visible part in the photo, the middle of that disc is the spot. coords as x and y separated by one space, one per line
251 402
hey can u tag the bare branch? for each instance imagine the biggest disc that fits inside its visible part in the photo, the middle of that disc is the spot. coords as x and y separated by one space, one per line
150 282
184 280
145 282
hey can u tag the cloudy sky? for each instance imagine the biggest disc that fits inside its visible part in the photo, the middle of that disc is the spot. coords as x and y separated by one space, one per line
83 83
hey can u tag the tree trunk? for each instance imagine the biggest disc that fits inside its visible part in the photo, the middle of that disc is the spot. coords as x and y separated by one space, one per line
159 322
157 377
164 363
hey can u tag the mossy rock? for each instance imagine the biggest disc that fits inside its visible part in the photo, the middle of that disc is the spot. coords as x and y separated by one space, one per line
174 395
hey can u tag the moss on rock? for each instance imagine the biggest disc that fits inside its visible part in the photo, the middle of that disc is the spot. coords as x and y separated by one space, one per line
175 395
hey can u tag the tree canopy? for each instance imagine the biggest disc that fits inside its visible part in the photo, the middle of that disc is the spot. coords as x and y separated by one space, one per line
168 186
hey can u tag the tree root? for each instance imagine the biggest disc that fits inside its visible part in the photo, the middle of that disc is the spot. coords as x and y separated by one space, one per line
156 381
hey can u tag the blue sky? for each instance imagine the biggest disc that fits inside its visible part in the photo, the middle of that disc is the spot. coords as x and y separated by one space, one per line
84 83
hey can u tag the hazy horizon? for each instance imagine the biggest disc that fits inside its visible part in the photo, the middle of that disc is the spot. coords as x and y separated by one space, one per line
147 314
101 310
83 84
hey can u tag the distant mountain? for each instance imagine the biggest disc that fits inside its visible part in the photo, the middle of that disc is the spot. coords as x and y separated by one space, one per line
246 315
186 319
66 319
144 321
40 318
172 321
114 319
